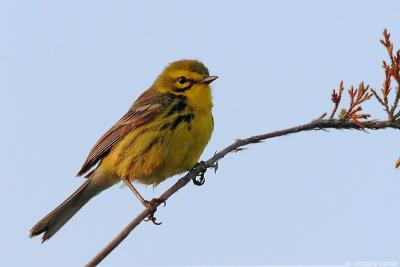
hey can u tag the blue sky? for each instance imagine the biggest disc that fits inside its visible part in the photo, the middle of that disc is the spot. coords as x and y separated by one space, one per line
70 69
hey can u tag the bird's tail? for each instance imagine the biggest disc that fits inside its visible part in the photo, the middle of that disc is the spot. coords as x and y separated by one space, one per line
53 221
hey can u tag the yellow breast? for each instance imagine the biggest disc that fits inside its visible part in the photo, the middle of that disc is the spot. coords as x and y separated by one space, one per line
166 146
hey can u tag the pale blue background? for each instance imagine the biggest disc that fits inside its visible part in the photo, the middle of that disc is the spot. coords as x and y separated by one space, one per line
70 69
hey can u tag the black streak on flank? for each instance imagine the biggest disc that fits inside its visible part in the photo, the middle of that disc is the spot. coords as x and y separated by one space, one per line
165 126
178 107
182 118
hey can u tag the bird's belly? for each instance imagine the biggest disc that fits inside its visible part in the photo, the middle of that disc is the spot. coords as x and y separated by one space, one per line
182 149
159 154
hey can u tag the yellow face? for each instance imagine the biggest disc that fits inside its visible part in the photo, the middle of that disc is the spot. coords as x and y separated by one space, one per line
189 78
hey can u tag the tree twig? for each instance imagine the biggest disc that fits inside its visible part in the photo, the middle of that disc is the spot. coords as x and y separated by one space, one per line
336 97
318 124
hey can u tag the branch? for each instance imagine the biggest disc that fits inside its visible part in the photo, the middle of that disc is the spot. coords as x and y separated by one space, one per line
348 119
318 124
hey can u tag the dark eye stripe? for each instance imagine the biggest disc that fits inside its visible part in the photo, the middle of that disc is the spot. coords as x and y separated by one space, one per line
180 90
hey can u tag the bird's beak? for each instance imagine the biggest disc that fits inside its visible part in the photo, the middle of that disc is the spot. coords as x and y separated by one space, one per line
208 79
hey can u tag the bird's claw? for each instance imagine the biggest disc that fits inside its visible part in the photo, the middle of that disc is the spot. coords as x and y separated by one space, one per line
202 166
152 219
152 205
199 179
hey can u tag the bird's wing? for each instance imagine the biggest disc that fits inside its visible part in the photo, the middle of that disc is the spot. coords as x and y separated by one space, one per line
144 109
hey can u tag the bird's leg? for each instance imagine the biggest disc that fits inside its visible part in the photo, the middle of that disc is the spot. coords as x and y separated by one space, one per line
147 204
137 194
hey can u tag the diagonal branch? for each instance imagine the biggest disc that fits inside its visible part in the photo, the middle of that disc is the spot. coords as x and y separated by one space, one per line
318 124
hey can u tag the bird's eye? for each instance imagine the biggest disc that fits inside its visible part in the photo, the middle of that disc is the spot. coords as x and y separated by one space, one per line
182 80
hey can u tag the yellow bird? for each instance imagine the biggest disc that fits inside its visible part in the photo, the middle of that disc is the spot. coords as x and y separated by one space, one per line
163 133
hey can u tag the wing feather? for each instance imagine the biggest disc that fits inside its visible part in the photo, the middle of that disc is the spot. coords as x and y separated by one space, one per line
145 108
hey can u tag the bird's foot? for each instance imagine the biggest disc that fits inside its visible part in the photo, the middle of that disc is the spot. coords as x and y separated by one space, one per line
152 206
199 179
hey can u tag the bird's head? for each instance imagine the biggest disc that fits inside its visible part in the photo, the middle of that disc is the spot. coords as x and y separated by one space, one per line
189 78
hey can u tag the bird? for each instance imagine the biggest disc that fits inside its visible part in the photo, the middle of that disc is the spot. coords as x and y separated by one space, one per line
163 133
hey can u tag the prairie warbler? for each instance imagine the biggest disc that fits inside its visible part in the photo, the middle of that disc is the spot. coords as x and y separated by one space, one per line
162 134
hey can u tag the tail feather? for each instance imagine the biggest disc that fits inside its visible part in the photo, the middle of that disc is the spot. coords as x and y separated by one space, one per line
53 221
